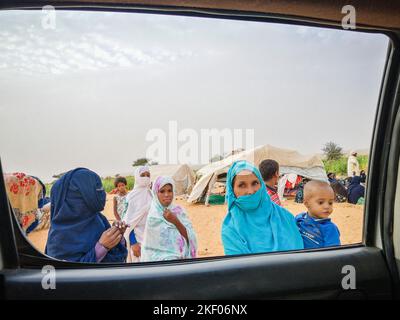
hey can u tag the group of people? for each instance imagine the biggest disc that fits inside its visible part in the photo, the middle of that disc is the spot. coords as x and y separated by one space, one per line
351 189
150 227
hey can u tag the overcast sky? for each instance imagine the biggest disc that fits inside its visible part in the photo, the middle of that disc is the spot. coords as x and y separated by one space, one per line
88 92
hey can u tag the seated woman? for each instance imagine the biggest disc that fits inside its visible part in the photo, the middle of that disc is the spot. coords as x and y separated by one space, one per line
78 231
254 224
43 217
138 206
338 188
363 177
27 195
169 234
355 191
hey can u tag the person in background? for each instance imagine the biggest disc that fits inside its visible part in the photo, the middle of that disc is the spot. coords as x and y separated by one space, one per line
255 224
338 188
299 198
138 206
355 191
169 234
315 226
79 232
26 194
43 209
363 177
331 177
120 184
353 167
269 170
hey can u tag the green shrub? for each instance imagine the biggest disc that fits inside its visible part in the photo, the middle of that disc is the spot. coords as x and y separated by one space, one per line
363 161
339 167
48 188
108 183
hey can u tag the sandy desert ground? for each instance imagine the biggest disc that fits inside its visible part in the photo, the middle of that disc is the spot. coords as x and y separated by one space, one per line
207 223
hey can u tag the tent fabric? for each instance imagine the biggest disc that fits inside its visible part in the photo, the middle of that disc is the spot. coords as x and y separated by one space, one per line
182 174
315 173
290 161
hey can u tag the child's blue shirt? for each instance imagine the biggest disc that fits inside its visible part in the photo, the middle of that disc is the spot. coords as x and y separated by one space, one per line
317 233
132 238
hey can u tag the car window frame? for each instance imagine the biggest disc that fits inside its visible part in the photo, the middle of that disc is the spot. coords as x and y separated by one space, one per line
29 256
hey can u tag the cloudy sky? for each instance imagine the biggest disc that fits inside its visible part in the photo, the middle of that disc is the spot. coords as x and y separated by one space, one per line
88 92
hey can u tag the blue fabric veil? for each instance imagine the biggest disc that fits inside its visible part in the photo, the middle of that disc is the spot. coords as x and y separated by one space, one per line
254 224
76 222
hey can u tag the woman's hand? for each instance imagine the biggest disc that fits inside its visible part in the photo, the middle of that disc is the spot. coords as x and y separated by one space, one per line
121 226
136 249
170 217
110 238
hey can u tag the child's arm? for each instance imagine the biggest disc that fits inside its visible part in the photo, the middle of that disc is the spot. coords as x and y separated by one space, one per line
132 238
135 246
116 215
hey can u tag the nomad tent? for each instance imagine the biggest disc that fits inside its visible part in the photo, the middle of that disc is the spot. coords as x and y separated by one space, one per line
183 175
291 163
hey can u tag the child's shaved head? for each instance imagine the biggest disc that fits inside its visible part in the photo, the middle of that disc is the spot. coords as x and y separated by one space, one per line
318 198
314 187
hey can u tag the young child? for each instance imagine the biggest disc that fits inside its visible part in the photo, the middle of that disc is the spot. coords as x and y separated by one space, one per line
269 170
120 184
315 226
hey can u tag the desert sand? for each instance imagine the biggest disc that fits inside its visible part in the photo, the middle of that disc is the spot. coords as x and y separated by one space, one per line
207 223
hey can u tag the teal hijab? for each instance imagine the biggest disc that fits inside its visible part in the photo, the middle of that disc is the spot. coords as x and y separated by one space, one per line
254 224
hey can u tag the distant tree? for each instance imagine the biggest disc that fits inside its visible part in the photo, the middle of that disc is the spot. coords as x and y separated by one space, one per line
153 163
216 158
141 162
332 151
235 151
59 175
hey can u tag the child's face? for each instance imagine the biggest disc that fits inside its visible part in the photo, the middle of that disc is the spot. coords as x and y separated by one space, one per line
320 203
245 183
165 195
121 187
275 179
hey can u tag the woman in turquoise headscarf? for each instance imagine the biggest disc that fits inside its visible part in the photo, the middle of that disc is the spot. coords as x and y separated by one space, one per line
254 224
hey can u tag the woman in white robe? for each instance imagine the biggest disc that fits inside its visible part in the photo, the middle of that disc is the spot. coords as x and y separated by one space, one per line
138 205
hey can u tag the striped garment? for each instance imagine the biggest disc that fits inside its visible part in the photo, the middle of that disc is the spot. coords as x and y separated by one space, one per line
273 195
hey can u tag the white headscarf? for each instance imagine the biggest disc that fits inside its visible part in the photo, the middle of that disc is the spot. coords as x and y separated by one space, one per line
139 199
162 240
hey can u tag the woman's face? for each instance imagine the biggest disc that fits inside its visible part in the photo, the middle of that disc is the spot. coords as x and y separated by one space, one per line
165 195
245 183
145 174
